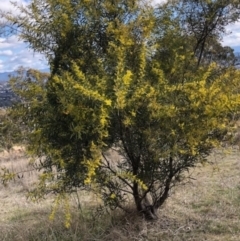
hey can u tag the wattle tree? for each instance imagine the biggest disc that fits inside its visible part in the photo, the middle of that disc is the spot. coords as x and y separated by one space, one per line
128 77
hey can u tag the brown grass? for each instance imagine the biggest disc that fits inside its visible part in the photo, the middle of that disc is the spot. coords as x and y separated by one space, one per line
207 208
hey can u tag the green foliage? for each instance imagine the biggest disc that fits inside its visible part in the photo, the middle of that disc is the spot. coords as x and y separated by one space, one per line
6 176
127 77
8 131
204 22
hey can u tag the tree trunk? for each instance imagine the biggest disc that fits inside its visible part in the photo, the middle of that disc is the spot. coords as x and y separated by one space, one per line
149 210
146 208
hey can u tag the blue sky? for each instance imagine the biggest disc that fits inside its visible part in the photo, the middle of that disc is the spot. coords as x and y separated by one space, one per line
15 53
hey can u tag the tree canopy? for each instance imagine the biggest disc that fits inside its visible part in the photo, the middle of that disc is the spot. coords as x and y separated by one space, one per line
153 84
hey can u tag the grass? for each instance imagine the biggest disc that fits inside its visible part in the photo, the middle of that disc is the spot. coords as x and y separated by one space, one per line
207 208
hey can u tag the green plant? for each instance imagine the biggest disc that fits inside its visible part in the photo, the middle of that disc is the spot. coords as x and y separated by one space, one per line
111 88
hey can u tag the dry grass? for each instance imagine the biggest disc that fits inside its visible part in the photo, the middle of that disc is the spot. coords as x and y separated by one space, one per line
208 208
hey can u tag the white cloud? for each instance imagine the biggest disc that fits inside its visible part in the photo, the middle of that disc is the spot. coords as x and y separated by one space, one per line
7 52
9 42
233 37
7 6
158 1
13 42
23 57
14 52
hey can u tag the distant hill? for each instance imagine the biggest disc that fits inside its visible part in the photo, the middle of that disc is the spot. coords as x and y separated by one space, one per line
237 54
4 77
6 94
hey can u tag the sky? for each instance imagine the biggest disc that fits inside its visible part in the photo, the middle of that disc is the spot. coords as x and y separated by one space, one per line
15 53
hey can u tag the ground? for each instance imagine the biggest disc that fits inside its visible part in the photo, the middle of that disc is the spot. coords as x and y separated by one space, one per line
205 208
